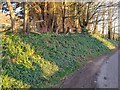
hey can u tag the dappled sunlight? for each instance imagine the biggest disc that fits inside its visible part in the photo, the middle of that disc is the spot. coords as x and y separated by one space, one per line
10 83
22 56
106 42
43 43
43 60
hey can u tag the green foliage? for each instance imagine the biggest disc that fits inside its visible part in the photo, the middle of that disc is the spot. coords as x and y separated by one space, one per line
20 60
109 43
10 83
84 31
43 60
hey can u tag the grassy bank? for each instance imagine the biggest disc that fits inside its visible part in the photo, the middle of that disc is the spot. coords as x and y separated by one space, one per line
39 61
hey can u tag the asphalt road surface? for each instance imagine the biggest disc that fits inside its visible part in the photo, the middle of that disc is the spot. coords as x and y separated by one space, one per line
99 73
108 75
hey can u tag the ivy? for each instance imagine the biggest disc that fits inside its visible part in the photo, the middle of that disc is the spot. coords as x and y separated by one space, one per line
37 61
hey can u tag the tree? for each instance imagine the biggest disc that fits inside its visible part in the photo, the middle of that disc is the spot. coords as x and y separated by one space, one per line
12 15
103 17
96 24
63 16
26 18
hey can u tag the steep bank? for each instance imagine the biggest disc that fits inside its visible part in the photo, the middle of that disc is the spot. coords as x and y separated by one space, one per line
42 60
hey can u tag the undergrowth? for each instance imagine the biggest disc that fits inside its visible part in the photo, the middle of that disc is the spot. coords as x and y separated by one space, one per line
39 61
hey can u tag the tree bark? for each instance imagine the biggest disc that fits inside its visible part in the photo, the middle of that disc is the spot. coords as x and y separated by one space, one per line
45 15
96 23
109 23
103 26
12 15
114 32
53 21
26 18
63 17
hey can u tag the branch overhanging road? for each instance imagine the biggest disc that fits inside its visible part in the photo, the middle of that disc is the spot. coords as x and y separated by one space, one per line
100 73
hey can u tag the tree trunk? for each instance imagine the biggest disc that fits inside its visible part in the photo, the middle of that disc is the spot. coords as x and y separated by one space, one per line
109 34
103 22
76 20
45 15
109 29
114 32
26 18
63 17
12 16
95 28
96 23
109 23
53 21
103 27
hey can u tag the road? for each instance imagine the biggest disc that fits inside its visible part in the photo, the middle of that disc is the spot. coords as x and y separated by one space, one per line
99 73
108 75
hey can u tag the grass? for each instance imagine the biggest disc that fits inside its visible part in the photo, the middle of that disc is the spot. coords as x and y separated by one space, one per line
41 61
